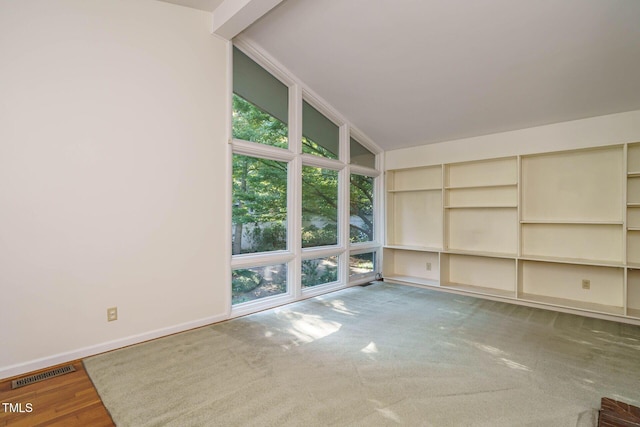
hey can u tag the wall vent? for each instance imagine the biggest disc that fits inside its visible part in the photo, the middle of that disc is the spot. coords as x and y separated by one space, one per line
21 382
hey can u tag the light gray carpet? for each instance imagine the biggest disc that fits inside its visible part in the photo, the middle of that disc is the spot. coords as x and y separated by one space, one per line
378 355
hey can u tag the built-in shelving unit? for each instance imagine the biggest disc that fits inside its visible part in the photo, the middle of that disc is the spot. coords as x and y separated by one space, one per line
559 230
414 207
481 206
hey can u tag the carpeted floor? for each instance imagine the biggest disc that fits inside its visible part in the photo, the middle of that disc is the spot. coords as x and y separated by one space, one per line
378 355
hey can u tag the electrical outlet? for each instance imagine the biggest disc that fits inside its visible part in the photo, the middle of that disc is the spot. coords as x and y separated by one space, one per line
428 266
586 284
112 314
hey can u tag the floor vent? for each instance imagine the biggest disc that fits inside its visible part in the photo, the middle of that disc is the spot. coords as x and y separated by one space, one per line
42 376
364 285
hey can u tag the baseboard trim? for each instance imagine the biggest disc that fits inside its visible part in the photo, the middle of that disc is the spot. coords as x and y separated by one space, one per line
60 358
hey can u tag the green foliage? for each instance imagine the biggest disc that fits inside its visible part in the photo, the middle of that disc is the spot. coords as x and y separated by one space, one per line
361 206
254 283
244 281
318 272
310 147
259 210
315 236
252 124
259 203
319 204
269 238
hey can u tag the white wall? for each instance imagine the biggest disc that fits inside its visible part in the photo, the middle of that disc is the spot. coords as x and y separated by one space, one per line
592 132
113 176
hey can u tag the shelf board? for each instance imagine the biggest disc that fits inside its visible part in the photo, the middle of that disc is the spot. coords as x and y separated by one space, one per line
467 187
483 207
569 222
633 205
633 265
412 280
415 190
633 174
479 290
453 286
580 261
413 248
633 228
479 253
633 312
568 303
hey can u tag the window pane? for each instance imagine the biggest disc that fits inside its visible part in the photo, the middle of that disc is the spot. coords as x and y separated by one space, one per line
249 284
319 207
252 124
362 263
259 213
361 215
260 103
320 136
360 155
319 271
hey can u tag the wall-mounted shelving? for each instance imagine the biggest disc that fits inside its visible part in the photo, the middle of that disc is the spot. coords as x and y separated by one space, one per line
560 229
481 206
479 274
414 207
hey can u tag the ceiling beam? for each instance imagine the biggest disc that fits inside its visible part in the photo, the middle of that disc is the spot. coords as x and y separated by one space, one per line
231 17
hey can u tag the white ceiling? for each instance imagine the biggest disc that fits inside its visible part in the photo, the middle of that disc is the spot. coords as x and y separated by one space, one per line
410 72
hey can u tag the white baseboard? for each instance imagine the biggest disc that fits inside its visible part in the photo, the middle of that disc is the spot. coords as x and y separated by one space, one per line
57 359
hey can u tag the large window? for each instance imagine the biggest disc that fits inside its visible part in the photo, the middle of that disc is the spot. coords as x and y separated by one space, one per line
303 210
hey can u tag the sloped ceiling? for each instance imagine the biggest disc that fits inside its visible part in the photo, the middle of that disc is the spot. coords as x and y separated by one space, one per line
411 72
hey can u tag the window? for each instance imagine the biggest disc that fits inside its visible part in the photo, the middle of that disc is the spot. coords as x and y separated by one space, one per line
361 211
319 207
320 136
319 271
295 200
259 213
260 104
249 284
361 156
362 264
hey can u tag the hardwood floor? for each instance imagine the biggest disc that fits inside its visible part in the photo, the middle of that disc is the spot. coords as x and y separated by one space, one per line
67 400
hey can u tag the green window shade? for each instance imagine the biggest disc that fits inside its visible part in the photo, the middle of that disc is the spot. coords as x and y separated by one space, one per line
361 156
320 136
256 85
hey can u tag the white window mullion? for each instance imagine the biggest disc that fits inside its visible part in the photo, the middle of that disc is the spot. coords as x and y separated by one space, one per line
344 186
295 189
321 162
261 259
379 211
362 170
263 151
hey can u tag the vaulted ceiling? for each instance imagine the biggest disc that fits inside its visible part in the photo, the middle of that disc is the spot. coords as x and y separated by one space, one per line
410 72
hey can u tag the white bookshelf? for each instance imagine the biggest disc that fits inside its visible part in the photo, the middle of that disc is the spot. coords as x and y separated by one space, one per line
481 206
479 274
558 230
414 207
